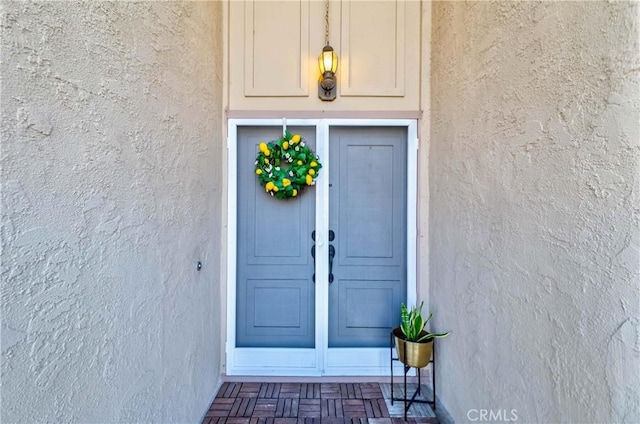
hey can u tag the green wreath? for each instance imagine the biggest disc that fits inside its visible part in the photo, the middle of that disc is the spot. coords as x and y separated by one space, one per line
286 166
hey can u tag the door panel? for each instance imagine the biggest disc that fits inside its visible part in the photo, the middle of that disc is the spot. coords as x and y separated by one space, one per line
266 313
268 227
367 212
275 302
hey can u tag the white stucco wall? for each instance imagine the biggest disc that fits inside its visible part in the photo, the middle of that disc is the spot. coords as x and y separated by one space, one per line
534 252
111 158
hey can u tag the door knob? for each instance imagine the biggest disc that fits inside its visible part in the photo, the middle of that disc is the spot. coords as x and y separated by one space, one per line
332 235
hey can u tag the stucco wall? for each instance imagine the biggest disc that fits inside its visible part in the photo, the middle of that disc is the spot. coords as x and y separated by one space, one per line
534 209
111 158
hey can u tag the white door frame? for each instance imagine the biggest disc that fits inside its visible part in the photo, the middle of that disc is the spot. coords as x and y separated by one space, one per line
320 360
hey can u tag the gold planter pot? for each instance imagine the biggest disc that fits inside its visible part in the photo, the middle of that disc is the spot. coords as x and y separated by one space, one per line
413 354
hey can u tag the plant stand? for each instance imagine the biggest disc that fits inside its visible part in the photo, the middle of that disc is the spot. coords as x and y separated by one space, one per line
409 401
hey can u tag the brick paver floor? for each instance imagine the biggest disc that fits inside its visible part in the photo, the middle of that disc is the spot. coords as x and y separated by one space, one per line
303 403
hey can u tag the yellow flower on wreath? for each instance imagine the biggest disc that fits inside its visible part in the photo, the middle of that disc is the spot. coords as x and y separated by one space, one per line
309 179
286 182
295 139
312 172
270 185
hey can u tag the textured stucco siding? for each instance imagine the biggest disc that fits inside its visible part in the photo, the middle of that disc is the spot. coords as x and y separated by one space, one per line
111 158
534 212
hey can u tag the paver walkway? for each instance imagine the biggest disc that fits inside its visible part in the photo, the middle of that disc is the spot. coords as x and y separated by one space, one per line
303 403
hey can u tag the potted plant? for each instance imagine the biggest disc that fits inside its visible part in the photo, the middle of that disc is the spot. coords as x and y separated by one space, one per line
413 344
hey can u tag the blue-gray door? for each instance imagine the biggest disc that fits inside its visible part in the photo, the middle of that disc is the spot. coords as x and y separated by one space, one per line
275 293
368 215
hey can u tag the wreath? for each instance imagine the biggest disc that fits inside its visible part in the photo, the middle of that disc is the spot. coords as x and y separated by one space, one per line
286 166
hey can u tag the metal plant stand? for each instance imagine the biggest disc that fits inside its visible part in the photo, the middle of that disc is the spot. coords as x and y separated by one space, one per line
409 401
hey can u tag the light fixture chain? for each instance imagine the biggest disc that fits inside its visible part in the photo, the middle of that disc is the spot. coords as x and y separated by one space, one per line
326 20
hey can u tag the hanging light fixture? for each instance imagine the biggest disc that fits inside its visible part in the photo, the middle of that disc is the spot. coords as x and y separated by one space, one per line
328 64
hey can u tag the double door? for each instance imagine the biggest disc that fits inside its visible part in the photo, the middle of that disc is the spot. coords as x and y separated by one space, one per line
319 278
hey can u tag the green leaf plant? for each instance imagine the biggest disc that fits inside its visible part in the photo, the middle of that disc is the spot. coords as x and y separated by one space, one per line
412 325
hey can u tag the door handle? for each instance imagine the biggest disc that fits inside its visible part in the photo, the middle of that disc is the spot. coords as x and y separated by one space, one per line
313 255
332 253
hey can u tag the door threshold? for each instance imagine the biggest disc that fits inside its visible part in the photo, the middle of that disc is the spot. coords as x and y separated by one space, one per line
311 379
